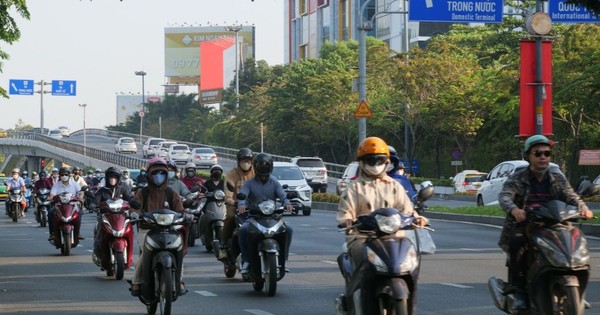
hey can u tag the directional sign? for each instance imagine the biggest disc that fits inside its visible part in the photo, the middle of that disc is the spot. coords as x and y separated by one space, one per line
64 88
363 111
20 87
562 12
479 11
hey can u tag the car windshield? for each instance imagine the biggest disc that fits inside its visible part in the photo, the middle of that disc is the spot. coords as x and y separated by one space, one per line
204 150
471 178
54 132
127 140
287 173
167 144
155 142
310 163
179 147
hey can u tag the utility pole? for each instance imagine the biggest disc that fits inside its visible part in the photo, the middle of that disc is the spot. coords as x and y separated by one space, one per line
42 92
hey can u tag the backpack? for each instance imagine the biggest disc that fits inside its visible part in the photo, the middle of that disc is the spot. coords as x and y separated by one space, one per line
145 192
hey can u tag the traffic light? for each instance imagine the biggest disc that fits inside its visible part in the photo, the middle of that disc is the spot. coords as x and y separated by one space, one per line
43 163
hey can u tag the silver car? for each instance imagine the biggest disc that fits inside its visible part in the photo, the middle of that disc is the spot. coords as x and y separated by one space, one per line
126 144
203 157
293 178
179 153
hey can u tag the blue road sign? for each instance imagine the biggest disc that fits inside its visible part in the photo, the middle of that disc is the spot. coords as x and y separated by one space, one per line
20 87
562 12
416 166
64 88
456 11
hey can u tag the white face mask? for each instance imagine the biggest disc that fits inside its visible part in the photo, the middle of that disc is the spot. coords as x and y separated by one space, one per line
245 166
389 168
374 170
64 178
126 175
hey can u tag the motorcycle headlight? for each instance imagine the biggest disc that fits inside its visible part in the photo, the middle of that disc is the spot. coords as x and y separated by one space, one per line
554 255
65 198
267 207
16 191
376 261
388 224
581 256
164 219
115 205
219 195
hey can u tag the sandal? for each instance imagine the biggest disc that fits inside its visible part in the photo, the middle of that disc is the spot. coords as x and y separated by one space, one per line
182 289
135 289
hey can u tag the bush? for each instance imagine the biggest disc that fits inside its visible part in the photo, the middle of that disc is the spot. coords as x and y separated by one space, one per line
324 197
435 181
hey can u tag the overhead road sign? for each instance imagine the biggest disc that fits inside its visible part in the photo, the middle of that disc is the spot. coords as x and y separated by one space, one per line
20 87
64 88
456 11
562 12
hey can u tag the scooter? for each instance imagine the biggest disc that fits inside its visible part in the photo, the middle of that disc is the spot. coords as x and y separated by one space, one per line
16 203
558 260
193 207
116 238
66 218
386 280
162 259
43 204
211 220
89 202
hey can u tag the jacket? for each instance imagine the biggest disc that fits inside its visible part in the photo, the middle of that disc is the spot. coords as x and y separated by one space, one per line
157 197
236 178
119 191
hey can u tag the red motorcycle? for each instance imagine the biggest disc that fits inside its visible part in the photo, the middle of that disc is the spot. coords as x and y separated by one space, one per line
116 238
67 220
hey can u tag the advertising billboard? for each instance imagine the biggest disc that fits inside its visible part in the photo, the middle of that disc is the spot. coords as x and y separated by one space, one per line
128 105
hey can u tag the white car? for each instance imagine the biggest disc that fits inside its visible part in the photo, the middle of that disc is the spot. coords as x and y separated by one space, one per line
149 147
55 133
178 153
468 181
350 173
291 175
65 131
162 148
314 168
126 144
203 157
492 184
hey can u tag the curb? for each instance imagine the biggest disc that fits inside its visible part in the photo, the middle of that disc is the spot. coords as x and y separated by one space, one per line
588 229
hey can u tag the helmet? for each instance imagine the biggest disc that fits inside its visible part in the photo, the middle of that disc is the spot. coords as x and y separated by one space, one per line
98 170
216 167
535 140
190 165
64 170
263 164
371 146
34 173
394 157
244 153
112 172
16 170
156 161
90 172
401 165
172 165
42 174
25 173
54 169
143 168
76 169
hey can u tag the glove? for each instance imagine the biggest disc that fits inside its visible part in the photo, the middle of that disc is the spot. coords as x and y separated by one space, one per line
134 216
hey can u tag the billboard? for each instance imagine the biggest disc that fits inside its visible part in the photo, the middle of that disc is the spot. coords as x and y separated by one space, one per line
182 52
128 105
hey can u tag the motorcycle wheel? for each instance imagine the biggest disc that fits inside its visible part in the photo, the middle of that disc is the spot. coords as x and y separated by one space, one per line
229 270
119 265
208 246
271 274
395 307
15 213
565 300
191 239
258 285
166 291
151 308
66 248
43 219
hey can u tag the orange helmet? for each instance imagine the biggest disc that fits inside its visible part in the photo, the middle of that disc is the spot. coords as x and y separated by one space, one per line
372 145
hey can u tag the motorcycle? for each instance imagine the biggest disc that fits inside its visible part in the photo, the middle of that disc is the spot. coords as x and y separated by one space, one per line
268 249
162 259
194 208
43 204
66 217
16 203
211 220
558 260
116 239
386 280
89 202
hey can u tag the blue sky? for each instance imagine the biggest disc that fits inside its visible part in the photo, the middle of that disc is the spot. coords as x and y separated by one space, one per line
101 43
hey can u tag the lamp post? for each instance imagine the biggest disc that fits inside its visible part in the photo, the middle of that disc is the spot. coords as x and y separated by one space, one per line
143 74
236 29
84 136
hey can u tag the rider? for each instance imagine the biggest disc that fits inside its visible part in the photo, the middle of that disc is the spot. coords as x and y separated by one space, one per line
262 187
88 178
16 182
54 175
77 177
64 185
155 196
371 190
174 182
216 179
396 170
127 181
522 190
191 179
141 178
235 178
34 177
28 186
43 182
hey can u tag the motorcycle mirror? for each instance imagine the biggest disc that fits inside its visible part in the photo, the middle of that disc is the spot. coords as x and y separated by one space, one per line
589 190
85 188
240 196
285 186
135 204
230 187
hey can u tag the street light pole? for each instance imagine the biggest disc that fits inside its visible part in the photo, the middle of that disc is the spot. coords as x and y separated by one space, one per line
236 29
142 74
84 135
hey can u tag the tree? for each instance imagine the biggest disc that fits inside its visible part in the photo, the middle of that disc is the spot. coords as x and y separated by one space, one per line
9 32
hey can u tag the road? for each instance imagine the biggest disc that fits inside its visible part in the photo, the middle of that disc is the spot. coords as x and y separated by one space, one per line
36 279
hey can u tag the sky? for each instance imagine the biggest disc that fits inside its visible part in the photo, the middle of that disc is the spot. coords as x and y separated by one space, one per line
101 43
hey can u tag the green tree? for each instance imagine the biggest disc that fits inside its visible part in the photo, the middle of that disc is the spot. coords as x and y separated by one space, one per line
9 31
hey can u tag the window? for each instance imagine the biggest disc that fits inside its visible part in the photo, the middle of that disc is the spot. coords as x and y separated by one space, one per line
287 173
310 163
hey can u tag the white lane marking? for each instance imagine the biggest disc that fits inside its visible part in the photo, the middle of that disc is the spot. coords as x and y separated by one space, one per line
304 224
90 250
323 228
257 312
456 285
330 262
205 293
470 249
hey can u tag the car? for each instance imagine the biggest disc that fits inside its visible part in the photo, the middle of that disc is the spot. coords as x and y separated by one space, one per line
468 181
55 133
64 131
126 144
295 182
350 173
314 168
178 153
203 157
43 131
3 191
149 147
492 183
162 148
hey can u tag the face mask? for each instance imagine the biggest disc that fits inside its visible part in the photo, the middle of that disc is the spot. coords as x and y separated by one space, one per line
55 175
216 175
112 181
263 178
36 178
389 168
171 174
158 179
191 174
89 175
64 178
143 173
245 166
126 175
374 170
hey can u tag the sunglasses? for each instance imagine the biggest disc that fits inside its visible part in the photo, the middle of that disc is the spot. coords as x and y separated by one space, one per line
373 160
159 172
539 153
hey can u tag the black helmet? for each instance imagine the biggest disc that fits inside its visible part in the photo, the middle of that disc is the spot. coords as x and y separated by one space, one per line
43 174
263 164
216 167
76 169
64 170
112 172
172 165
244 153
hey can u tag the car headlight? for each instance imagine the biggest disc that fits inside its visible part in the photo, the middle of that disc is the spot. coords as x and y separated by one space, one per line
388 224
164 219
267 207
376 261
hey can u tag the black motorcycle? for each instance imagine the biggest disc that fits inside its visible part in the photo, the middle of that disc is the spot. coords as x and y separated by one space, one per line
211 220
43 204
